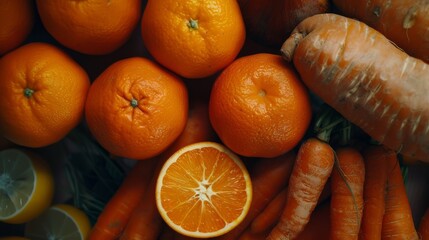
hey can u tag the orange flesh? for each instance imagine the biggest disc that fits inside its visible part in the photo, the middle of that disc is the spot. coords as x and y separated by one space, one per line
203 197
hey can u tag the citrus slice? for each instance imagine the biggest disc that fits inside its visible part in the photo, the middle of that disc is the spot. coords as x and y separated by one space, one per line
26 185
203 190
61 221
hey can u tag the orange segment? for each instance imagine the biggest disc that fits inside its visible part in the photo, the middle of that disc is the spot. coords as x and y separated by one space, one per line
203 190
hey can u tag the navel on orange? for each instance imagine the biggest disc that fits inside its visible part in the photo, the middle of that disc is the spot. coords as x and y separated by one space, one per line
259 107
136 108
203 190
194 39
43 94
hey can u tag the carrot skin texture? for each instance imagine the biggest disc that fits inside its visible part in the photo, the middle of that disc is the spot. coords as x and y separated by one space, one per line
404 22
375 190
362 75
117 211
398 221
423 229
269 177
311 171
347 185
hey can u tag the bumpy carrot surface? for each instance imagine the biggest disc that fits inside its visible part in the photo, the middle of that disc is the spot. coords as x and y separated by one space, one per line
360 73
405 22
311 171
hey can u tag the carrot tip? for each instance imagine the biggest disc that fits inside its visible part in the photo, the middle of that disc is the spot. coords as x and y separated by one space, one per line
288 48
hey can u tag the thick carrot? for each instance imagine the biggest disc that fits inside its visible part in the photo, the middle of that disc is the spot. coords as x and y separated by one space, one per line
405 22
376 160
347 185
117 211
361 74
398 221
423 229
319 225
269 177
311 171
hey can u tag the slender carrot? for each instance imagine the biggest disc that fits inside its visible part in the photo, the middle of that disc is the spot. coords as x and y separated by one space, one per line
269 177
270 215
117 211
404 22
398 221
375 189
319 225
311 171
423 229
347 185
368 80
262 224
145 222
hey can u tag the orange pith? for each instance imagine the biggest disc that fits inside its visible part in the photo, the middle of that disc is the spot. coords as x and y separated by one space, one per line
203 191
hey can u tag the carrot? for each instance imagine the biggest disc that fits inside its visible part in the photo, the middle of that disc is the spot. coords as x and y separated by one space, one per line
319 225
311 171
375 188
117 211
269 177
404 22
398 220
262 224
423 229
347 185
270 215
362 75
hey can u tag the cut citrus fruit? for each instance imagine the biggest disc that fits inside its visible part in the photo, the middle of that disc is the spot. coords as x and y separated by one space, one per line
61 221
203 190
26 186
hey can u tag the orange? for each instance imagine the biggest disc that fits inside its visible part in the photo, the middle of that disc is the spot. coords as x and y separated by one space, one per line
17 20
194 39
203 190
259 107
136 108
90 26
43 94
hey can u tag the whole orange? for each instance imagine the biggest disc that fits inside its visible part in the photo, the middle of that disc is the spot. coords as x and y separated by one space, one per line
17 19
136 108
194 39
43 94
91 27
259 107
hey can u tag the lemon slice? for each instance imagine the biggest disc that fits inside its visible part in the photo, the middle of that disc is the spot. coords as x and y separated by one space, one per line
203 190
61 221
26 186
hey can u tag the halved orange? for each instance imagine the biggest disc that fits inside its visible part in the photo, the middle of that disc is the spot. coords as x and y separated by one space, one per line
203 190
